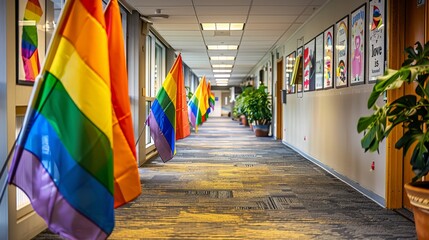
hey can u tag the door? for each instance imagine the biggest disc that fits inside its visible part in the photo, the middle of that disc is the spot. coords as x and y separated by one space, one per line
411 17
279 104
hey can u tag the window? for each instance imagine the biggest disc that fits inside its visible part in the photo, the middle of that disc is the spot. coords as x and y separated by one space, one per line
155 75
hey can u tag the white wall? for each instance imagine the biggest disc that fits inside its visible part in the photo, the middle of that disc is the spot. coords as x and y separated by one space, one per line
217 108
322 124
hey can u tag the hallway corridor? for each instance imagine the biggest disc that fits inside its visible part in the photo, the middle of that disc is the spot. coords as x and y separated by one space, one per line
224 183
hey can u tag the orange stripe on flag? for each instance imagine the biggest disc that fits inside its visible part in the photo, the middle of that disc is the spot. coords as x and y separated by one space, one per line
127 179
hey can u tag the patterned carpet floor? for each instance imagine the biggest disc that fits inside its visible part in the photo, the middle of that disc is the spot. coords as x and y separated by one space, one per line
225 183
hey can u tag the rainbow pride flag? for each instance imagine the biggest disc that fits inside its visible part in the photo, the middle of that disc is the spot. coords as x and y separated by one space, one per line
182 124
162 118
29 52
127 179
63 159
198 104
211 99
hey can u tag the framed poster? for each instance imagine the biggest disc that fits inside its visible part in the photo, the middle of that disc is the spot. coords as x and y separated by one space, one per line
328 60
35 24
358 36
297 72
341 52
319 62
290 62
377 36
309 66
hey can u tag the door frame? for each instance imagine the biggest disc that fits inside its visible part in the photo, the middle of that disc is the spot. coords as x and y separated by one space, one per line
279 104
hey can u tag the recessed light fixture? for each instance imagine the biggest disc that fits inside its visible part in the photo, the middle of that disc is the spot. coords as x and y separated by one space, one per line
222 47
222 70
222 26
222 80
221 84
222 75
222 58
222 65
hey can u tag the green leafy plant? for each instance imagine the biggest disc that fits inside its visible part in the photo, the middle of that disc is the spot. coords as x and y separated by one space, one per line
189 94
410 111
240 107
258 106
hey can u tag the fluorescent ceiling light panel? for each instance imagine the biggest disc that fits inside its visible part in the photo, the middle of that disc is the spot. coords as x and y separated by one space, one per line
209 26
222 80
222 75
221 84
222 70
222 65
236 26
222 26
222 58
222 47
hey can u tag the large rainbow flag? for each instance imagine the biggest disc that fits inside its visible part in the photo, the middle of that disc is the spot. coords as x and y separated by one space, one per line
211 99
162 119
63 159
198 104
29 52
127 179
211 96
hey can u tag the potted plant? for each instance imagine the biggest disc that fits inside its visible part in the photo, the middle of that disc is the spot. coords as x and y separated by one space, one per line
240 107
412 112
259 111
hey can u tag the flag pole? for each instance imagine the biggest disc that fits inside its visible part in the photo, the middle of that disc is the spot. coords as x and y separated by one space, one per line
4 167
141 132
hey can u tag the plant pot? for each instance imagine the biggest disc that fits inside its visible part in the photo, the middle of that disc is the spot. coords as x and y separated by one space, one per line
418 194
244 121
261 130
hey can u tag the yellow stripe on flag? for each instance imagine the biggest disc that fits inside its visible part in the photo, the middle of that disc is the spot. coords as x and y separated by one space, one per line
84 86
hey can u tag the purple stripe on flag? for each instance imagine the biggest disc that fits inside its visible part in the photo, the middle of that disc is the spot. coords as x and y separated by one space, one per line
36 182
161 143
192 118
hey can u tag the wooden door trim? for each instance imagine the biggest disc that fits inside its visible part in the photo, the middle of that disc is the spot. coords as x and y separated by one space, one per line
279 104
394 159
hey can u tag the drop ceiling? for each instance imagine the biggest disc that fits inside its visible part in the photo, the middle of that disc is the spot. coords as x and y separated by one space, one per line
267 24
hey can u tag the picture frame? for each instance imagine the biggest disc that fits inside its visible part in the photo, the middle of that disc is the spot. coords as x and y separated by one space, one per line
376 39
341 52
34 30
357 45
319 62
289 65
328 59
309 66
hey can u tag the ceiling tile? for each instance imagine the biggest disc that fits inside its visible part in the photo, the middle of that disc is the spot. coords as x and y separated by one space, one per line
222 2
276 10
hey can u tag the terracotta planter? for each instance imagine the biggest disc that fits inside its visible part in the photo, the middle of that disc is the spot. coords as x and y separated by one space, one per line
418 193
261 130
244 121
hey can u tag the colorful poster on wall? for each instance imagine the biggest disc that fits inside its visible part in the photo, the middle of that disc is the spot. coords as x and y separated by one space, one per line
297 75
376 49
319 62
341 52
309 66
290 62
357 56
328 58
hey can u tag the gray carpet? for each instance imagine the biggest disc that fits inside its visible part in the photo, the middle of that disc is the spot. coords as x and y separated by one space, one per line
224 183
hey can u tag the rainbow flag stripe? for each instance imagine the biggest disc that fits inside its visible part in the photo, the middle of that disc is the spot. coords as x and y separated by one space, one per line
198 105
63 160
29 52
127 179
162 116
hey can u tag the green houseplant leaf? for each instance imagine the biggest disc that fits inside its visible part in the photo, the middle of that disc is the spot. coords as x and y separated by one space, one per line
409 111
